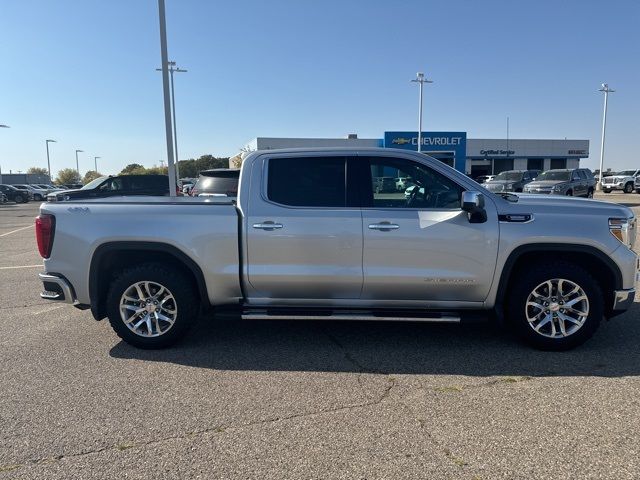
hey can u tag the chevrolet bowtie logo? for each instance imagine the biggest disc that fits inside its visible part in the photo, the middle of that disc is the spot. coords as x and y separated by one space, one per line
400 141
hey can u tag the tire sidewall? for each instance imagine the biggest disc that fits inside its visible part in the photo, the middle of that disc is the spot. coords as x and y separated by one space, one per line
529 279
179 286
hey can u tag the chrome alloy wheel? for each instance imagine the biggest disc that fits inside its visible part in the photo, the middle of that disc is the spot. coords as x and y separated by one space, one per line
148 309
557 308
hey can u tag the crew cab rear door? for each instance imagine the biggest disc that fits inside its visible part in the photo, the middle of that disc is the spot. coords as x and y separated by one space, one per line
303 239
418 243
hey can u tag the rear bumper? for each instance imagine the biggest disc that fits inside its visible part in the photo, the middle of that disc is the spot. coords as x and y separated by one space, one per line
622 299
57 289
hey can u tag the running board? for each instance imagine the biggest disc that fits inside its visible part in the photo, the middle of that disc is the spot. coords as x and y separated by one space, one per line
434 317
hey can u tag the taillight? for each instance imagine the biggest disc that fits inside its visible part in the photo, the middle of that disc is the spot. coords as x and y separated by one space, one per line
45 229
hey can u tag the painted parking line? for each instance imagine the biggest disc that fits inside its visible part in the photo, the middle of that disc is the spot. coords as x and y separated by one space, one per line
22 266
14 231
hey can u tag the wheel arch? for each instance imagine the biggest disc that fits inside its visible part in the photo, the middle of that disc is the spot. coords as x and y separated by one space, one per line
595 261
110 258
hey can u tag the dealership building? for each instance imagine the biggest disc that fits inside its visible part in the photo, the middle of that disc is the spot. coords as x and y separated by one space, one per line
469 155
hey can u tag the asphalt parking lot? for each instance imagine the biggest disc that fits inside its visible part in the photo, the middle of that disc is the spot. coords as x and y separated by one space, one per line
303 400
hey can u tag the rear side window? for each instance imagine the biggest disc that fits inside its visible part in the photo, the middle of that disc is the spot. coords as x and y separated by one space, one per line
219 183
307 181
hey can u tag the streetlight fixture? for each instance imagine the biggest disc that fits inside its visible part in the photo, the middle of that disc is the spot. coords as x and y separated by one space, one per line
77 164
421 80
173 68
605 88
95 163
167 98
48 162
5 126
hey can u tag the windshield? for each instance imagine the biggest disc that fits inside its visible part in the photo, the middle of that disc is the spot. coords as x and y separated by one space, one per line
515 176
554 175
626 173
93 183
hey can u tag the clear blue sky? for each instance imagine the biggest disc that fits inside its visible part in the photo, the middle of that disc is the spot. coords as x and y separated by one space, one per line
83 73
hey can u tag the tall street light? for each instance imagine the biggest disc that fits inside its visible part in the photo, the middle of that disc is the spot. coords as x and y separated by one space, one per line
48 162
173 68
167 98
2 126
95 163
77 164
605 88
421 80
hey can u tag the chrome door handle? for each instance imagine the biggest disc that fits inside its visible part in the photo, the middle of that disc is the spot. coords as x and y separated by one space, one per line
268 225
383 226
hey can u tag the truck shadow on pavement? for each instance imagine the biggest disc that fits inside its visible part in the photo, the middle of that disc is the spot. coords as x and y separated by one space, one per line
389 348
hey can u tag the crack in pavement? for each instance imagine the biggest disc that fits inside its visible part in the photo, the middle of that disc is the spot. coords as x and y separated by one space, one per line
210 430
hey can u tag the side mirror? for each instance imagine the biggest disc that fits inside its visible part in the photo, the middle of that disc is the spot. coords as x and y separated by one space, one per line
473 204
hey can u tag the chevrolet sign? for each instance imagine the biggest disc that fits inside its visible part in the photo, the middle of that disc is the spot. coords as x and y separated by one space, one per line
400 141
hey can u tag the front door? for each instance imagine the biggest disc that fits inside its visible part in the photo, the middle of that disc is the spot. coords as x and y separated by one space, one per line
303 240
418 243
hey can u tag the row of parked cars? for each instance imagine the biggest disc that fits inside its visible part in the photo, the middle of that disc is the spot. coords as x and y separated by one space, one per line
23 193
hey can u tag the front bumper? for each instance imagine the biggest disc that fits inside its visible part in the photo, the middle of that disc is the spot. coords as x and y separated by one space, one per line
57 289
613 186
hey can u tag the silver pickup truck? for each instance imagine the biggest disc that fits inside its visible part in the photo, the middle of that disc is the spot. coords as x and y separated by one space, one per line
308 237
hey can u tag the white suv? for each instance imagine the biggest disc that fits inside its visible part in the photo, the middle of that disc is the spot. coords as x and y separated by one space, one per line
624 181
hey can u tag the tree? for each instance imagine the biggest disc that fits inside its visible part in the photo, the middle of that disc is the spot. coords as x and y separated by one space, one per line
133 169
38 171
67 175
91 175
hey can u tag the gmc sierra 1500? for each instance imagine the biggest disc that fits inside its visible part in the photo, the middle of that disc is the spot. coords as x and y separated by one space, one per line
310 238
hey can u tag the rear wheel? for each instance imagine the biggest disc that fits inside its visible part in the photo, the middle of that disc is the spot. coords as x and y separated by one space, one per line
151 306
19 199
569 193
606 190
628 188
590 193
555 306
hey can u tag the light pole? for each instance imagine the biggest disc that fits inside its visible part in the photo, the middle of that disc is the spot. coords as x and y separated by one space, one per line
2 126
95 163
605 88
77 164
420 80
167 98
173 68
48 162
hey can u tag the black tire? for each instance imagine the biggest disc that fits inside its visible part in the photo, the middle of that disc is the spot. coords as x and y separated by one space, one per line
176 282
19 199
569 193
590 193
605 190
533 276
628 188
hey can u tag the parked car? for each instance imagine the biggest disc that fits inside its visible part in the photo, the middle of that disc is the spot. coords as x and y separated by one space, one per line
624 180
578 182
307 238
384 185
15 195
3 198
28 191
218 182
511 180
484 178
111 186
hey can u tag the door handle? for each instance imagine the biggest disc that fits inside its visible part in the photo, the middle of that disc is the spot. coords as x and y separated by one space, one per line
268 225
383 226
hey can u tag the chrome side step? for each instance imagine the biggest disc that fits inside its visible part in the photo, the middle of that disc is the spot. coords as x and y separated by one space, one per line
434 318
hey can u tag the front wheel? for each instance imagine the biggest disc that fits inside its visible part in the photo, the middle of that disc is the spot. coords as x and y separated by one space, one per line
151 306
569 193
590 193
19 199
555 306
628 188
606 190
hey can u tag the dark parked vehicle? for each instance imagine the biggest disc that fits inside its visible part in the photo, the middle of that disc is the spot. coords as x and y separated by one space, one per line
511 180
14 195
218 182
155 185
384 184
578 182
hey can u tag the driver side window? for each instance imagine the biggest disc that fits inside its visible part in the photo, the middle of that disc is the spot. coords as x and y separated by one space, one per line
400 183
